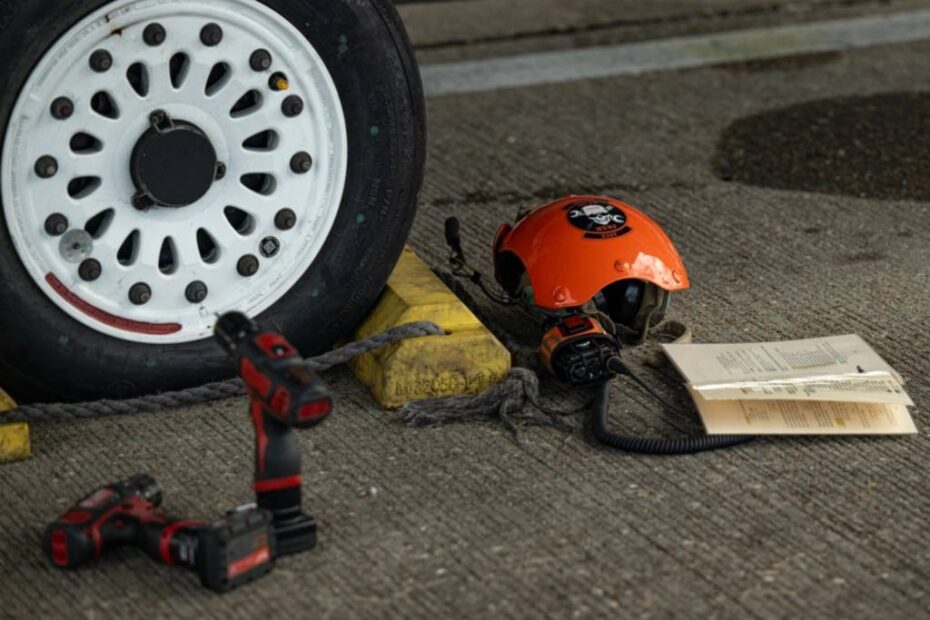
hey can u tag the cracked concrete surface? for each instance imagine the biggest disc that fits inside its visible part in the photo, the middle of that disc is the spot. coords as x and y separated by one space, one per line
459 522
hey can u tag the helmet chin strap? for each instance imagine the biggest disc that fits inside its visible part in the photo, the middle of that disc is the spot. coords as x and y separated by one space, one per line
647 325
461 268
628 335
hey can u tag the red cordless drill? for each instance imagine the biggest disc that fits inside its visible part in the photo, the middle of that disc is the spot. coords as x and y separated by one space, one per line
228 553
285 395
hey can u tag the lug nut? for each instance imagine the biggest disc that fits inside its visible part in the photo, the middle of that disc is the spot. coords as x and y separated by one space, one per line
196 292
286 219
140 294
211 35
90 270
260 60
154 35
279 82
220 171
270 247
62 108
301 163
101 61
47 166
248 266
56 225
292 106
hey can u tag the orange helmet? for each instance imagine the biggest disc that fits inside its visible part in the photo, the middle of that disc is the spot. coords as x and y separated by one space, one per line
584 249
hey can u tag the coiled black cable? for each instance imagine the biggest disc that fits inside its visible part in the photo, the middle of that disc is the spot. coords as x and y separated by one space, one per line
645 445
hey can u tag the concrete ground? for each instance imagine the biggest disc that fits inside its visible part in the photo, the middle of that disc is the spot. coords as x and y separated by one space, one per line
792 233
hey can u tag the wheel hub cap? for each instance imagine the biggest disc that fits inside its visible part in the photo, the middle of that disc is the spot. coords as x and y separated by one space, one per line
173 164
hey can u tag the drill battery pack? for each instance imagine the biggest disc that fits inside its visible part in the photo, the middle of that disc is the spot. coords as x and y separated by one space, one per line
237 549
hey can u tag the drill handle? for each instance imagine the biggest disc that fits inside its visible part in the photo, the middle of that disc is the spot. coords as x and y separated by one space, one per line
277 463
278 482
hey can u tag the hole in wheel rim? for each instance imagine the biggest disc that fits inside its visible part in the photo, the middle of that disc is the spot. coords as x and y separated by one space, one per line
261 183
179 68
168 257
105 105
249 103
128 252
138 77
82 187
207 246
83 143
241 222
97 226
219 77
262 141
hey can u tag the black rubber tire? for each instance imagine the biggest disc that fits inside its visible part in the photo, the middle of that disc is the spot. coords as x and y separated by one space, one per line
45 355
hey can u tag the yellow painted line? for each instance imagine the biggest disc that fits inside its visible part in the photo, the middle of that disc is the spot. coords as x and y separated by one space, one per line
466 361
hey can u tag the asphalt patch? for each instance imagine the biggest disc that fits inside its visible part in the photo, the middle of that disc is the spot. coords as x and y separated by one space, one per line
868 147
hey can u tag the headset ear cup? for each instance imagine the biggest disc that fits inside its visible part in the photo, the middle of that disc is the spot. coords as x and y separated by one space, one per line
630 303
511 274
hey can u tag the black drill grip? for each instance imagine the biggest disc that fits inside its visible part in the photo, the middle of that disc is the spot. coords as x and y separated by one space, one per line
277 464
278 482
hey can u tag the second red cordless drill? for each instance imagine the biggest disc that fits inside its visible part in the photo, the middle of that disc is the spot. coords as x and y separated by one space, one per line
227 553
284 395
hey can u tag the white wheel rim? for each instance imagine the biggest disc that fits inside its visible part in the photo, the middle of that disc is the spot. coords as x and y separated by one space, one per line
169 316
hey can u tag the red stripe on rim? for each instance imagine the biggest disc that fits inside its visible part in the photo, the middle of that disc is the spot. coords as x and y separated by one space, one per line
138 327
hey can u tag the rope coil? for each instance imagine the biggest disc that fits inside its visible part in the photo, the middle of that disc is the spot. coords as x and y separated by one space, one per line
514 402
67 412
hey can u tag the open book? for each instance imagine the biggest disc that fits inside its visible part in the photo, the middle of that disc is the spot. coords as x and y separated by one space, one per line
833 385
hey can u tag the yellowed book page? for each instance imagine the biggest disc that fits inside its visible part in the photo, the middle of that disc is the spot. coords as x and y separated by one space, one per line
834 368
706 364
872 388
790 417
